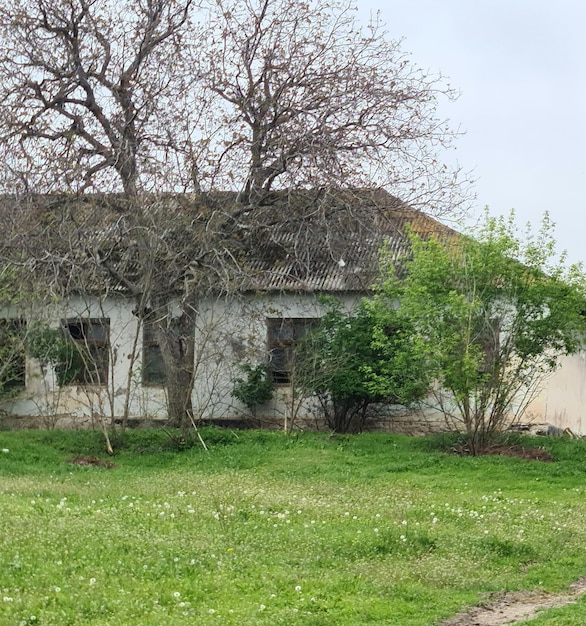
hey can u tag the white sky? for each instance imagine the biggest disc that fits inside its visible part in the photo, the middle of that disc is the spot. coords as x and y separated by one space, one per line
521 68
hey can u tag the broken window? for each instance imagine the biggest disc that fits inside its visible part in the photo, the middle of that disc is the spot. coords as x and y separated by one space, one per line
89 362
153 366
283 336
12 354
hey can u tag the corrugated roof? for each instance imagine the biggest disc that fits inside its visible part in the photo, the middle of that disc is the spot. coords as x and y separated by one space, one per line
314 241
339 257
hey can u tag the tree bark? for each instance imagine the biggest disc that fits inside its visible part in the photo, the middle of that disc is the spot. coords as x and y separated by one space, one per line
176 336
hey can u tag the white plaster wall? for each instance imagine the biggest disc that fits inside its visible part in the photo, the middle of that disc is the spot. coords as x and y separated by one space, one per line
43 396
228 332
561 400
233 332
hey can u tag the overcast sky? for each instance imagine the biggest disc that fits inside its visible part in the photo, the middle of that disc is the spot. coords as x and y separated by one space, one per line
521 68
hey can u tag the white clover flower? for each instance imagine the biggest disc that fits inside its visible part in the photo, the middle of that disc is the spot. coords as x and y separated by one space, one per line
262 607
298 588
5 450
176 594
92 581
211 611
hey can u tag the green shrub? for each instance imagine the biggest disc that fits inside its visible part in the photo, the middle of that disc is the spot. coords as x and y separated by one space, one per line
255 388
346 365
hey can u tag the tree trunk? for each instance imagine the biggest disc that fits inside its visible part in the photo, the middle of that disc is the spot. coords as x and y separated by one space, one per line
179 387
176 336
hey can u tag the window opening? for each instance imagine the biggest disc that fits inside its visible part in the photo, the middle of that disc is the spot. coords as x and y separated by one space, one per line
284 334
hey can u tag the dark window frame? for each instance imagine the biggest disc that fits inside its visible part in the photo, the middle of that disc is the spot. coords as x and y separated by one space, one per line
90 363
17 326
283 335
153 365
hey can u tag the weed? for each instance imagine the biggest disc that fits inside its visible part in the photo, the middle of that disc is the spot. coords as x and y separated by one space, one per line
269 529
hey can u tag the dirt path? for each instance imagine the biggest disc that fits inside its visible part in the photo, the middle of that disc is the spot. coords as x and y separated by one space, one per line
512 608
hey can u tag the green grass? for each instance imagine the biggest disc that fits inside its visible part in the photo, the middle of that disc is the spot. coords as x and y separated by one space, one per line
269 529
571 615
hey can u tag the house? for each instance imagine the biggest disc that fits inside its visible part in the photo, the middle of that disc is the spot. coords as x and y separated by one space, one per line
253 287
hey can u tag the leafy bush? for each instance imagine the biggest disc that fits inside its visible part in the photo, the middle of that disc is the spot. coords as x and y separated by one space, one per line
490 316
255 388
50 347
346 365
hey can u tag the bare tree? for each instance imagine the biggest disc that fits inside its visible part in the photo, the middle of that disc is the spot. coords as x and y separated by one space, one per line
88 88
121 105
308 98
93 94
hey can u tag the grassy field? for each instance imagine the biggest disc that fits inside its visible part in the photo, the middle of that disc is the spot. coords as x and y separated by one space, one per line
269 529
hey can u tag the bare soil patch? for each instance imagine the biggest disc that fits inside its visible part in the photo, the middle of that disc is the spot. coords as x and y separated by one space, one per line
530 454
91 461
500 449
514 607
